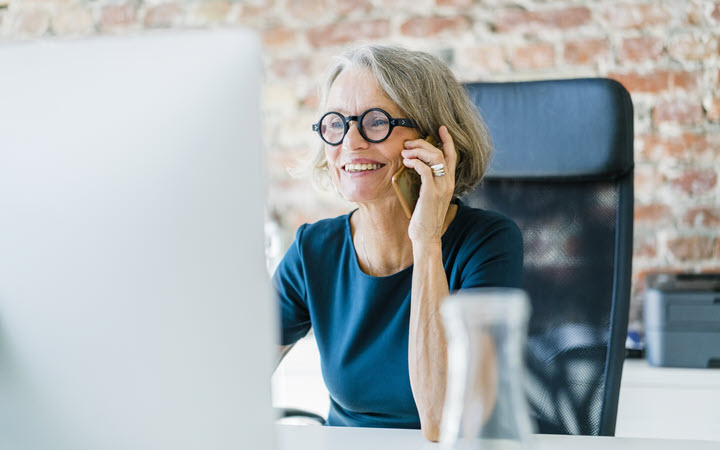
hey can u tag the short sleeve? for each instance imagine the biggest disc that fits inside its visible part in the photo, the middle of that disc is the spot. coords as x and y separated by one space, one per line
497 260
289 283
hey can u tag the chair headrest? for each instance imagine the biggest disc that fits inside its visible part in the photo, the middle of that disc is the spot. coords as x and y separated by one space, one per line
569 129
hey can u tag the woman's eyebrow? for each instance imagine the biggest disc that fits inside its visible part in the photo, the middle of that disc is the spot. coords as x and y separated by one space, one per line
344 112
338 110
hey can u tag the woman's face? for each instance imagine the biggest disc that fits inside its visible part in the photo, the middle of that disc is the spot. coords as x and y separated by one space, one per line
353 93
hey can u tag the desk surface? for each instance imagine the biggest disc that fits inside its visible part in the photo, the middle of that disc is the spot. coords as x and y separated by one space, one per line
293 437
651 397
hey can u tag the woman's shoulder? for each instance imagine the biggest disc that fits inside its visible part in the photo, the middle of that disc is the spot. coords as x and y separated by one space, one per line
324 232
483 248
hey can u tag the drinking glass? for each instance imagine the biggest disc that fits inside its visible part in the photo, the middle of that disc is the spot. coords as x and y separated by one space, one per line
485 405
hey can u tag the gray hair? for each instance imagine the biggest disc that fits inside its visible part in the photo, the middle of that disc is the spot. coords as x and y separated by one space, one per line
424 89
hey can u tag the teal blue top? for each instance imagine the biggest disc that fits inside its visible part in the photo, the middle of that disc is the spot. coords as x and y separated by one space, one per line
361 322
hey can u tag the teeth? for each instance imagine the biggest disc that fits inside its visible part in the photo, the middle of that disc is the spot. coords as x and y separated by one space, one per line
361 167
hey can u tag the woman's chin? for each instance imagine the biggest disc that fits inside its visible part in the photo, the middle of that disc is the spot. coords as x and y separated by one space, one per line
368 198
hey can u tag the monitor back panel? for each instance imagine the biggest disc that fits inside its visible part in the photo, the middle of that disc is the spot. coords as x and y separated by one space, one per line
135 310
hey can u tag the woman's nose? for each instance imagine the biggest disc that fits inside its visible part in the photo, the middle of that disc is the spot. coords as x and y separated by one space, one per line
353 139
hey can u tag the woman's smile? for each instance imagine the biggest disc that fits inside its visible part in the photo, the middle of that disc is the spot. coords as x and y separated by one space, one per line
359 166
362 170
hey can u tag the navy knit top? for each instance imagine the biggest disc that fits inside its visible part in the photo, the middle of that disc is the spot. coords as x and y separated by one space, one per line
361 322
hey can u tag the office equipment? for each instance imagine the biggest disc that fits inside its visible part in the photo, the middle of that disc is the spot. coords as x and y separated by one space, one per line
563 170
332 438
135 309
682 320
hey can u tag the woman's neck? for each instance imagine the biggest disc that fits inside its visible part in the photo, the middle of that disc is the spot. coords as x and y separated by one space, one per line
380 235
381 239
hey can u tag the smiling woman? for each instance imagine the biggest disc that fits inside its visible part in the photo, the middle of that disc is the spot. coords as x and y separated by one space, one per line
371 283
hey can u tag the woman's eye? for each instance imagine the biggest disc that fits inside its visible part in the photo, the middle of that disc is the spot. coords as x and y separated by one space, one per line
378 123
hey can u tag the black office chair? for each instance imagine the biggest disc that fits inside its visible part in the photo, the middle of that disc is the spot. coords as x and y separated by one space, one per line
563 171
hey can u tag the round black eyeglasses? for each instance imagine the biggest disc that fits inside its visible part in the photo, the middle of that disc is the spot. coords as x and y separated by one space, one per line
374 125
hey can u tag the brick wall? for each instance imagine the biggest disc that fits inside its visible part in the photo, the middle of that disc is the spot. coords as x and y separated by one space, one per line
667 53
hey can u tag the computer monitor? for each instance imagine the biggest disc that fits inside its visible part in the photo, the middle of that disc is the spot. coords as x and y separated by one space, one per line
135 307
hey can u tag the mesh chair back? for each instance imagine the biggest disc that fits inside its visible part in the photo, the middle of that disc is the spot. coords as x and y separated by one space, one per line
562 170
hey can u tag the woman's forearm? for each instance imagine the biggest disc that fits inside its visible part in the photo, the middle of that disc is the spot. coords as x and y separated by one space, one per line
427 346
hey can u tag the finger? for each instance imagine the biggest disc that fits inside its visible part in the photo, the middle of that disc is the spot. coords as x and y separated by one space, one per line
426 176
418 143
428 156
421 143
449 147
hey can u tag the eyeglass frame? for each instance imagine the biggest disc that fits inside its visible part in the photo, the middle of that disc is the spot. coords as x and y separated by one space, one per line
393 121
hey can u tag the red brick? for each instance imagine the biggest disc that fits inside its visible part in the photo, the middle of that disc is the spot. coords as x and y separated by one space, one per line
533 56
291 67
253 11
651 83
489 58
693 248
584 52
279 37
344 32
678 111
645 246
347 7
703 216
712 109
647 179
433 26
688 47
651 213
117 16
695 14
307 9
696 181
31 23
555 18
460 3
716 12
163 16
73 21
685 80
640 48
656 147
629 15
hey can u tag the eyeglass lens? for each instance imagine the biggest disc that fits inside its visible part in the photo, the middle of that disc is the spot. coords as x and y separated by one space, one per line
374 126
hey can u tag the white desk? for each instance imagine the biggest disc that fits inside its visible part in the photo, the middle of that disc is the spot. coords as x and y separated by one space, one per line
668 403
292 437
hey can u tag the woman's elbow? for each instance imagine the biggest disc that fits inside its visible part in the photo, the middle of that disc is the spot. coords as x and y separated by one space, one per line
431 432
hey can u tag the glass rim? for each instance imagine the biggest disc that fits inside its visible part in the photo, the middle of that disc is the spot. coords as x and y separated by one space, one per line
486 305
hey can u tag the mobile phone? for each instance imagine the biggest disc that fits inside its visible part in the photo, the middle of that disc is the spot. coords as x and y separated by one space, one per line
406 183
